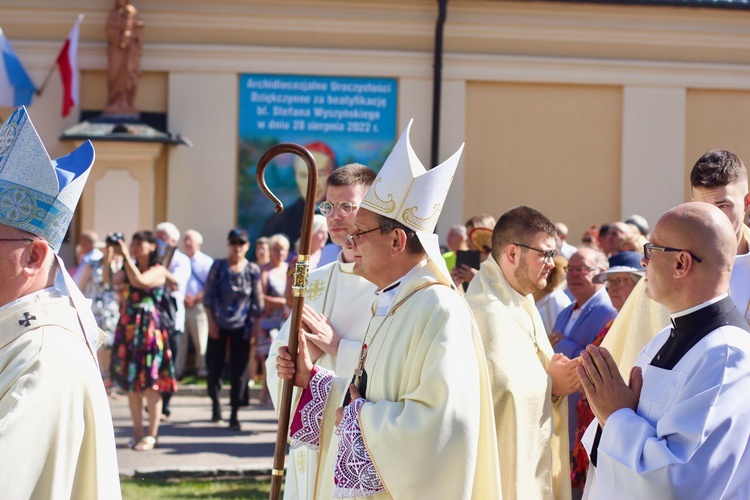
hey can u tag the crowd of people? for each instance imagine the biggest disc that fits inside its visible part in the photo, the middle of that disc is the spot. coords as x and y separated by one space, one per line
511 364
612 366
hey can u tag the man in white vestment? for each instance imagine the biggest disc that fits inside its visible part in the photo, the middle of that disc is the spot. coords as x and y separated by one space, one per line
420 421
56 435
529 381
681 427
720 178
337 308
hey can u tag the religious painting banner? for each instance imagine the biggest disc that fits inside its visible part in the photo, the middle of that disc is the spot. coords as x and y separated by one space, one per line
341 120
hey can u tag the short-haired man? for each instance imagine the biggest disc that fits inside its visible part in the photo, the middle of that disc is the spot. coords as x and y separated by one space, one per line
420 398
681 428
720 178
457 239
617 234
463 274
529 381
179 273
196 319
578 324
56 436
337 309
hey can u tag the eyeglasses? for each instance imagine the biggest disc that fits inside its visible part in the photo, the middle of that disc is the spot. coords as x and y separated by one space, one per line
352 238
619 282
578 269
345 208
648 248
237 242
547 254
28 240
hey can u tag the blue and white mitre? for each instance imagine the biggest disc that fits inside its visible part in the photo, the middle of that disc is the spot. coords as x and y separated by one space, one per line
37 194
407 192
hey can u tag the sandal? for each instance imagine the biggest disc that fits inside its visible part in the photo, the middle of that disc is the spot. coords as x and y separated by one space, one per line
147 443
131 444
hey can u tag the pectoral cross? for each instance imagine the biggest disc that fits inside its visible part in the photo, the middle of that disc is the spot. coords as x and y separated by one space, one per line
360 376
360 365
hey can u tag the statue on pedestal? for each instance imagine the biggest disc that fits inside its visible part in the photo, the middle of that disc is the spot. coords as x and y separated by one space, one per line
124 47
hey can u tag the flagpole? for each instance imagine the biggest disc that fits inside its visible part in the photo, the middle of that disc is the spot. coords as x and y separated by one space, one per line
54 65
39 91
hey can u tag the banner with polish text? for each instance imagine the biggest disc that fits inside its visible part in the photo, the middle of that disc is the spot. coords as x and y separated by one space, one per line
341 120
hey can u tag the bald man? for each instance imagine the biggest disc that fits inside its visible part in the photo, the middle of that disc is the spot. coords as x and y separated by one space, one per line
681 428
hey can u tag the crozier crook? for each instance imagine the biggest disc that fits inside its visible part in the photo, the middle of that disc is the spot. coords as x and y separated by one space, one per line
299 288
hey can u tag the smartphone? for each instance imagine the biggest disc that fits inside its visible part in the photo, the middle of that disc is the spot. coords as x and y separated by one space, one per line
470 258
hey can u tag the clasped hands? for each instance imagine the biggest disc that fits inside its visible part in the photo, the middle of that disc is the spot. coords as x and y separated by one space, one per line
605 388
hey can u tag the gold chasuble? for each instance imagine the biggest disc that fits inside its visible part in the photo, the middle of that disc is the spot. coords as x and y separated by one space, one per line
532 432
427 423
56 436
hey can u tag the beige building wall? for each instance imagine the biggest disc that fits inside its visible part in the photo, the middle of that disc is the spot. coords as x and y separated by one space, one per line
555 148
653 149
611 102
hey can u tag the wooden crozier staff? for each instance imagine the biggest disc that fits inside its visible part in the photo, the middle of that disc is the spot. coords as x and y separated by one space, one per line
299 288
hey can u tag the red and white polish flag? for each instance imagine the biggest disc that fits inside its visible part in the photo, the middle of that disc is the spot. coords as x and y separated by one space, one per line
67 63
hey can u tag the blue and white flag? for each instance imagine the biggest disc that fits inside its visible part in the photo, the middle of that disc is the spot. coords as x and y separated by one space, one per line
16 88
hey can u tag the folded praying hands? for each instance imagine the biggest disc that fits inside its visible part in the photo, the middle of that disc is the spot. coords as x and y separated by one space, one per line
605 388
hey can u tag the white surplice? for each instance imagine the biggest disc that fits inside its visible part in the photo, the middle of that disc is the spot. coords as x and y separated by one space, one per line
56 434
690 435
346 300
532 433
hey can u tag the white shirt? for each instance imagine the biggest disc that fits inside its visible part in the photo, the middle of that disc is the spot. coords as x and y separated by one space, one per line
578 310
180 269
200 265
689 436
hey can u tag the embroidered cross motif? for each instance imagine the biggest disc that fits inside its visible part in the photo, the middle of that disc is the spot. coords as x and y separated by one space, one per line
301 462
28 319
315 289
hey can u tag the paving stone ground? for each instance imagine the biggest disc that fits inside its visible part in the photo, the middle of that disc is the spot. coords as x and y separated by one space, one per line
191 445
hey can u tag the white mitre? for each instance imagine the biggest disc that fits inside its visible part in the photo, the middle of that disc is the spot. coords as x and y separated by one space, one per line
407 192
39 195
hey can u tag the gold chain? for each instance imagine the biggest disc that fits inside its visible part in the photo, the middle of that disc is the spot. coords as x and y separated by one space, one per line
391 312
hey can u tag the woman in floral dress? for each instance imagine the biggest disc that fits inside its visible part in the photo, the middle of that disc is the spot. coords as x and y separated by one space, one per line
141 360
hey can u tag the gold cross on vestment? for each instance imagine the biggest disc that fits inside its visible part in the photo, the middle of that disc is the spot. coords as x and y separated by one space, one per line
315 289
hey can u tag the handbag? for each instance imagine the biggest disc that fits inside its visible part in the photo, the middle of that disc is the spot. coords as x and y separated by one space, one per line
167 308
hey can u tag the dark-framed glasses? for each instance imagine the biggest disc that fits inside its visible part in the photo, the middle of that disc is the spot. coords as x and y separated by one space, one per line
548 255
345 208
352 238
648 248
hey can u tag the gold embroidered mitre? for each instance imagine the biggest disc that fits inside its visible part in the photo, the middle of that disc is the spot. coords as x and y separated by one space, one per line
38 194
407 192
